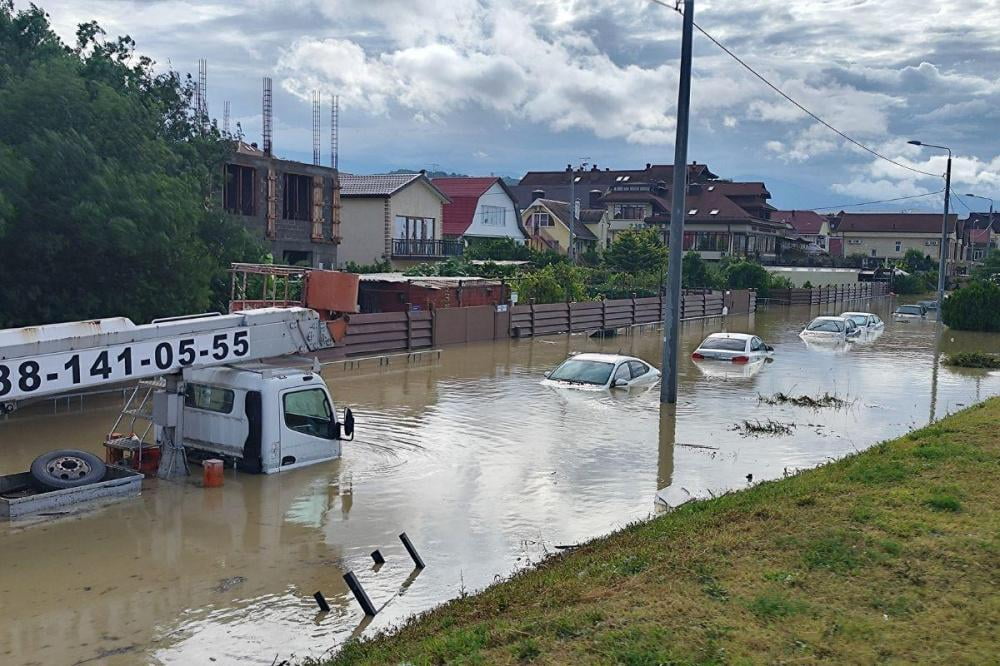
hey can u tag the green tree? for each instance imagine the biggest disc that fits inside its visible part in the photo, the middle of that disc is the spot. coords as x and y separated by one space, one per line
697 274
497 249
636 251
915 261
109 202
974 307
989 270
747 275
555 283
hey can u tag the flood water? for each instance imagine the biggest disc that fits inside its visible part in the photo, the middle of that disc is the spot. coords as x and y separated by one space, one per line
486 469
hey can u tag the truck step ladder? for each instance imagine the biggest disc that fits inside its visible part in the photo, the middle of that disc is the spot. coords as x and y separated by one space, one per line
124 436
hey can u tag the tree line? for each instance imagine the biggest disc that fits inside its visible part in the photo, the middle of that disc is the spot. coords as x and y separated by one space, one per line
109 182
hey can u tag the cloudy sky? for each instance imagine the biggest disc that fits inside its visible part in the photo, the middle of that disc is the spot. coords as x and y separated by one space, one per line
504 86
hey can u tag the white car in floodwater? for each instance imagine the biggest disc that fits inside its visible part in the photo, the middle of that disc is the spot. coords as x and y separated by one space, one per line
830 329
602 371
908 312
866 321
732 347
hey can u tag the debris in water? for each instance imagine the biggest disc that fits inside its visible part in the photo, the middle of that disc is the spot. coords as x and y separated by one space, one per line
769 427
227 584
825 400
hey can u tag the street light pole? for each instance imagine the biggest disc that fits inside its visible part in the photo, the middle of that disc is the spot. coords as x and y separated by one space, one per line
672 313
943 263
572 213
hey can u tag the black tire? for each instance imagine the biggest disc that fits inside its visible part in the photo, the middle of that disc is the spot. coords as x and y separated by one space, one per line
67 468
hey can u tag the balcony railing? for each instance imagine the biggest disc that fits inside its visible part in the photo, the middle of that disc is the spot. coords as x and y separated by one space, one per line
412 247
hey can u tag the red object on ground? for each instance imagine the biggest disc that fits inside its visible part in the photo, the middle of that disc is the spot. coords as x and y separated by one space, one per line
212 477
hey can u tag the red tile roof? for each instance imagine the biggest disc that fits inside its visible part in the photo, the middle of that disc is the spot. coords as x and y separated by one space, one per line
803 221
912 223
464 194
979 236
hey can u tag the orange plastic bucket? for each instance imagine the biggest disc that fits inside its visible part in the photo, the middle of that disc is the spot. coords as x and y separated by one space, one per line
213 469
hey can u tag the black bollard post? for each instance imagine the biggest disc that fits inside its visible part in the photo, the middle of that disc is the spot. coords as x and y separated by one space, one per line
411 550
377 556
359 593
321 600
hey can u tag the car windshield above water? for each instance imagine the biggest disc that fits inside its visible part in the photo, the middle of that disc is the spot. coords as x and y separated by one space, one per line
858 318
724 343
580 371
910 310
826 326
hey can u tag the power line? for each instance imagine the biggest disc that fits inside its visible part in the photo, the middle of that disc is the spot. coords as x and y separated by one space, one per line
959 200
880 201
797 104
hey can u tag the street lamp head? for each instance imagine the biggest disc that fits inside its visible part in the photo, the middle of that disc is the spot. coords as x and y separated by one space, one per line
914 142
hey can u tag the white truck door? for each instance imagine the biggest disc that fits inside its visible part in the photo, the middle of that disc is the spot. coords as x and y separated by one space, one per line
307 426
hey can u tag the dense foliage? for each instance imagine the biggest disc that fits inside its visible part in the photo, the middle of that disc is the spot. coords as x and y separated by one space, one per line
108 183
974 307
989 270
636 251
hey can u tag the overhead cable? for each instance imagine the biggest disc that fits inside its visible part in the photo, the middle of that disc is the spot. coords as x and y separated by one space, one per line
778 90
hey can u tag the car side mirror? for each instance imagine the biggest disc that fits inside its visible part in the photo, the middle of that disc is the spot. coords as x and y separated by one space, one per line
547 373
768 348
349 423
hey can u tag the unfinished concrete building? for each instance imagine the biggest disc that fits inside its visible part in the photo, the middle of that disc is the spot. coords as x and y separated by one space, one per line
293 207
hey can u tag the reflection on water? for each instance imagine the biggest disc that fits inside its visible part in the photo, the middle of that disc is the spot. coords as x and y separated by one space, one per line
485 468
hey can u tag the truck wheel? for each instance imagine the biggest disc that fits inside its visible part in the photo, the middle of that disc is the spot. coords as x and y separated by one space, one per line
68 468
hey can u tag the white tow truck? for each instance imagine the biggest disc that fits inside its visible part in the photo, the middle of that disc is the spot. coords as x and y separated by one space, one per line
208 386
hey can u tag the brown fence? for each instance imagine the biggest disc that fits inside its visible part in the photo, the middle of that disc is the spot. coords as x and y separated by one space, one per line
371 334
832 294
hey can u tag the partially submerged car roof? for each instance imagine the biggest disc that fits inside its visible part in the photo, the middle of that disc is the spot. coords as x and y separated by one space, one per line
602 358
851 314
734 336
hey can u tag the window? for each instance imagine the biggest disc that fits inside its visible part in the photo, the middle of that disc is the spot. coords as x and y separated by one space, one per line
874 253
414 228
899 246
628 211
297 193
208 398
854 241
756 344
637 369
541 219
577 179
706 241
238 193
576 371
931 243
978 254
693 211
494 215
622 374
714 211
309 413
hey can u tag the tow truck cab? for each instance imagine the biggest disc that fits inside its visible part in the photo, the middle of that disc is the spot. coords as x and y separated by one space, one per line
268 419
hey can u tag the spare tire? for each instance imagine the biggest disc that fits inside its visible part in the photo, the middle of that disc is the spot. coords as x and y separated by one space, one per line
67 468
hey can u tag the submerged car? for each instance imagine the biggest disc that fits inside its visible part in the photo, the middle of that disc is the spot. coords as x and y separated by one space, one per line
866 321
928 305
832 329
602 371
905 312
733 347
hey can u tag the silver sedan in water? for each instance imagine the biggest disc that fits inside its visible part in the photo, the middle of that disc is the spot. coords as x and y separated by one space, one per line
602 371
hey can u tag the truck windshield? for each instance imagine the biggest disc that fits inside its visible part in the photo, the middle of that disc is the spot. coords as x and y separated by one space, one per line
309 412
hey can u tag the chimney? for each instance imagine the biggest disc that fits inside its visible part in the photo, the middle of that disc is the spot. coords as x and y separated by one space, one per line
661 188
595 199
648 166
594 168
537 194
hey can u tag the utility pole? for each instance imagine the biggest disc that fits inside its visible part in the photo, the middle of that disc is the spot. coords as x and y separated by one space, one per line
672 314
572 213
943 262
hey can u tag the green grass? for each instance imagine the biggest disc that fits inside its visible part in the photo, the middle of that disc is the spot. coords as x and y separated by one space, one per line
891 555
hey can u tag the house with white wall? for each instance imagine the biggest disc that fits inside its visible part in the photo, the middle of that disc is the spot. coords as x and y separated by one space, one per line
396 217
480 208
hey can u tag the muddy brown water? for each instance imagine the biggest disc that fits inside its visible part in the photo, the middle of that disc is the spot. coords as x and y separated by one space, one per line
486 469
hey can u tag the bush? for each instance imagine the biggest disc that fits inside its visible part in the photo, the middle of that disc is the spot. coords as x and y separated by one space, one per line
744 274
696 273
974 307
909 284
974 360
497 249
377 267
555 283
636 251
807 285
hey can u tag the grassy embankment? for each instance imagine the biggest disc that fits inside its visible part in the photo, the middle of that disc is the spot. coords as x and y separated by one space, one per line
889 555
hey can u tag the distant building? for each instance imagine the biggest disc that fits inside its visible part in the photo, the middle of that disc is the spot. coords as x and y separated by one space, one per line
480 208
394 217
808 225
395 292
982 234
722 218
883 237
547 222
293 207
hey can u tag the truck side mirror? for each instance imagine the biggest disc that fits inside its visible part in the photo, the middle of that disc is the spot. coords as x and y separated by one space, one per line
349 423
